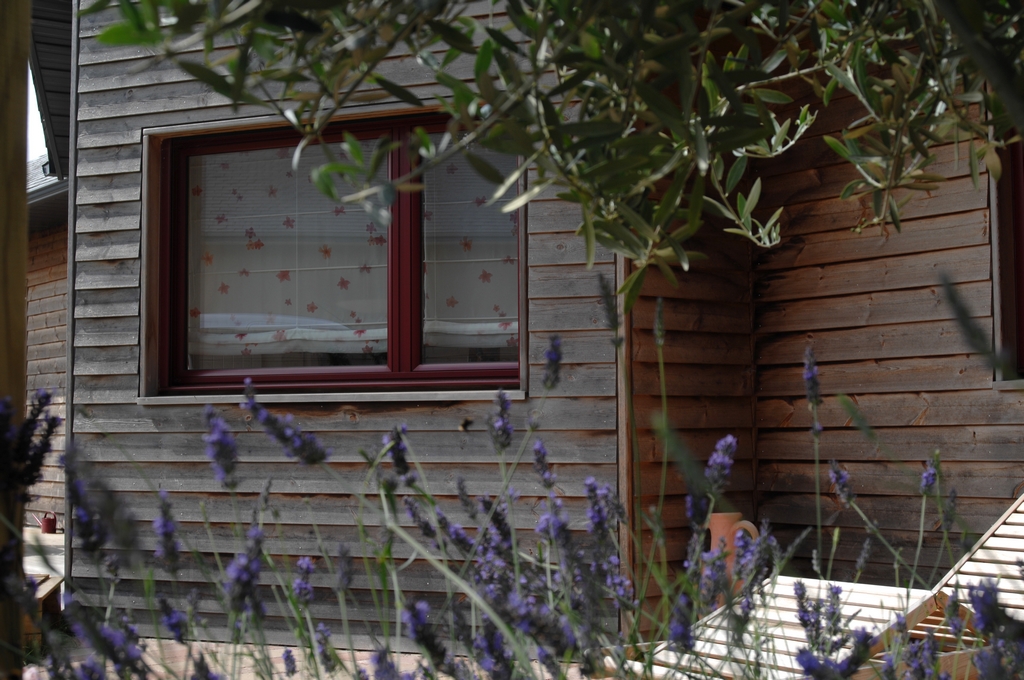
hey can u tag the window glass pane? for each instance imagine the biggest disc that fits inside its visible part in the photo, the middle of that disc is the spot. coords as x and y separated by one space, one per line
470 266
278 274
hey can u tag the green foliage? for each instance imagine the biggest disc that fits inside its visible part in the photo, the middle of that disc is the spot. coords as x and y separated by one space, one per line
644 113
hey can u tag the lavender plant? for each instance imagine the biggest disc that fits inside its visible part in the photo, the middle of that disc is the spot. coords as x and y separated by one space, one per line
518 603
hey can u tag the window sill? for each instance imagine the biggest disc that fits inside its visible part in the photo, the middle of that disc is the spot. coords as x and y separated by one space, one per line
330 397
1008 385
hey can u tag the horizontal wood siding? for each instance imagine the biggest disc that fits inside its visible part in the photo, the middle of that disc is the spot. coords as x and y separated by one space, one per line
708 377
118 100
872 307
47 352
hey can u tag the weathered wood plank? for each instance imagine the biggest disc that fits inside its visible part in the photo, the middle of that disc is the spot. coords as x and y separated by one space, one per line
47 350
109 188
106 389
562 248
52 382
886 511
969 407
558 414
47 274
107 361
695 412
907 271
828 181
698 284
741 479
979 443
49 288
694 380
956 372
694 348
47 335
923 235
106 274
566 281
109 217
577 346
884 478
47 305
553 216
349 478
929 338
835 213
694 315
102 139
871 309
50 320
114 245
107 331
106 303
436 447
53 367
700 443
573 314
577 380
110 160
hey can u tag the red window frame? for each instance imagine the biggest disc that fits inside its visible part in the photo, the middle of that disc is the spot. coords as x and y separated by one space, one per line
404 369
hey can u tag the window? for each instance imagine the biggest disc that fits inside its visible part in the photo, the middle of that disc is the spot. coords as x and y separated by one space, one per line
261 275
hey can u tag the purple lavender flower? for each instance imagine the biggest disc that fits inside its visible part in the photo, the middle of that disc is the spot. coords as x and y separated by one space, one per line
720 463
840 479
412 508
697 510
811 382
394 441
499 424
324 649
164 526
174 621
985 603
554 524
90 669
921 656
864 556
243 575
220 448
680 627
417 629
88 526
929 478
384 667
454 532
540 465
23 447
297 444
953 619
828 669
553 355
301 586
289 662
493 655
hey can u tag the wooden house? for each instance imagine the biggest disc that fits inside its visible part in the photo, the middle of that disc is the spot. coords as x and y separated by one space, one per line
47 189
181 285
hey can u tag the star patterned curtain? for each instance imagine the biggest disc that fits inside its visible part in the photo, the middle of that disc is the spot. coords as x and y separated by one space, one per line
281 276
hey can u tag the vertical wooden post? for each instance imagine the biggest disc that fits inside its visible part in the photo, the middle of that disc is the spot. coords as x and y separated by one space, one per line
14 45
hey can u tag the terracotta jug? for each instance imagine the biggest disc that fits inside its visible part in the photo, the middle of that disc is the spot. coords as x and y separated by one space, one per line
724 525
